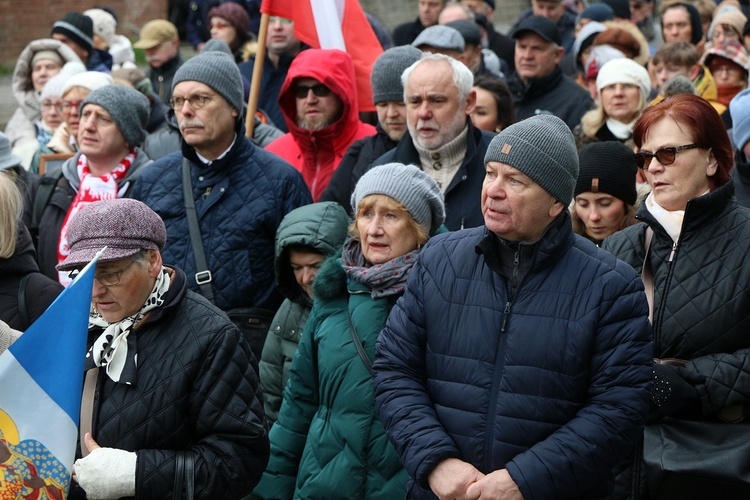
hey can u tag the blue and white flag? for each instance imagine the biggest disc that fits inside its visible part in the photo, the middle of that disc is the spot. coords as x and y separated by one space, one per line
41 381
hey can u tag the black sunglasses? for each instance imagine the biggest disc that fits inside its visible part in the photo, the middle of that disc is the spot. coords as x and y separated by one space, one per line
320 90
665 156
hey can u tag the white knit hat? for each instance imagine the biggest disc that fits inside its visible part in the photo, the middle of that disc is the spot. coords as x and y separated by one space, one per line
624 71
104 24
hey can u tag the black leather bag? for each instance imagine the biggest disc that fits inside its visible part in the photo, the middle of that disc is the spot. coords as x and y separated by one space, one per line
706 458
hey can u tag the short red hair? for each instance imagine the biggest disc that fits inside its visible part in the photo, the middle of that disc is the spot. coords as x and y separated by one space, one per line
702 122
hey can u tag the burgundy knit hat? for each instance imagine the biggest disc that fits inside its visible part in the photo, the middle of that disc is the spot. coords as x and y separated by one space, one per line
234 13
123 225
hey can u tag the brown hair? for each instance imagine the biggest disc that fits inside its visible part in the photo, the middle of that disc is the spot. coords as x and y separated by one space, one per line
677 53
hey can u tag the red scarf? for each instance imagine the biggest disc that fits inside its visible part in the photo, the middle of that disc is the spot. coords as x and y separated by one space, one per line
93 188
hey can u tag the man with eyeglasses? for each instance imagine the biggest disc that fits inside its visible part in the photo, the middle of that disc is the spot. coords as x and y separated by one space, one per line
319 102
240 194
64 137
110 127
282 46
174 380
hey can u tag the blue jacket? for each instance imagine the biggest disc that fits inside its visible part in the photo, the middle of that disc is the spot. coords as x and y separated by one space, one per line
548 379
247 193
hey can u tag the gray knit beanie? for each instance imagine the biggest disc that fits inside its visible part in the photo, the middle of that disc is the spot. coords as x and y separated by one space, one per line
387 70
123 225
542 147
217 70
127 107
408 185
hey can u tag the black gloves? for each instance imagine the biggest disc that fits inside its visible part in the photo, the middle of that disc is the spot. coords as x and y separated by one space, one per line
673 391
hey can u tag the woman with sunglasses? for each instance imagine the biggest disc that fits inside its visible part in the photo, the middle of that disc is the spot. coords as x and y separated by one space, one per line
699 263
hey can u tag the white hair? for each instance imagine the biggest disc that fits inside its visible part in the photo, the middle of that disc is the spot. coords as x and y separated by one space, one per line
463 78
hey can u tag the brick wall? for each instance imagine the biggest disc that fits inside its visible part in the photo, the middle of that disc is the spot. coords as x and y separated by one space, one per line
22 21
395 12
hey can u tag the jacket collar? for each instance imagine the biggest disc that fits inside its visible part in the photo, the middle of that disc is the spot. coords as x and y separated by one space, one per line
700 212
557 238
539 86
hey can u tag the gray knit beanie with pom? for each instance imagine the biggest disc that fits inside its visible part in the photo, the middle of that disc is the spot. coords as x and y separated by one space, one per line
408 185
543 148
387 70
217 70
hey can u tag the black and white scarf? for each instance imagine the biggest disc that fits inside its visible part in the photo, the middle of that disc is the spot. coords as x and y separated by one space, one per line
115 348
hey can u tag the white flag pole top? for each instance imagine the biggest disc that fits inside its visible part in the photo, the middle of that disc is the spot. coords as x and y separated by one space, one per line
328 15
91 263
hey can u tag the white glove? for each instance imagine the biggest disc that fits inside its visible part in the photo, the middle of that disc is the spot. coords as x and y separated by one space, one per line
106 473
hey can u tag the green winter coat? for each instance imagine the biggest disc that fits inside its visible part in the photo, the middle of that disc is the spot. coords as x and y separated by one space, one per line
328 441
320 226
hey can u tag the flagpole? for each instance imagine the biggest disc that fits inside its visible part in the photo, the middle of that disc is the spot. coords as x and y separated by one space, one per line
260 57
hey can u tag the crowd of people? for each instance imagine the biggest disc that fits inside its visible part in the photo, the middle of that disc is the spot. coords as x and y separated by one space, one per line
525 275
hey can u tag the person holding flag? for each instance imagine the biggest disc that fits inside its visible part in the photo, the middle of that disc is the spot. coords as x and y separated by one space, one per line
177 398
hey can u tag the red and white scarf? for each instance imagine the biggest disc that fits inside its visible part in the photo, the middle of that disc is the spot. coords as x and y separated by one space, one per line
93 188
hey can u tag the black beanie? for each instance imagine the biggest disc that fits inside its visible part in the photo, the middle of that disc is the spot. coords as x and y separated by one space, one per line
78 28
607 167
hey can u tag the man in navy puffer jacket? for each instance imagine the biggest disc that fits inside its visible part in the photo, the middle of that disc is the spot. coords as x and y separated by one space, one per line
518 362
241 194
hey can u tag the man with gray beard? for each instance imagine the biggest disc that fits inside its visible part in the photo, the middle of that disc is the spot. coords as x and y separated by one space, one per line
442 141
241 193
319 102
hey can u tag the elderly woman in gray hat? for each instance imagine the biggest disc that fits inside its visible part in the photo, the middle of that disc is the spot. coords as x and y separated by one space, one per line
328 441
178 404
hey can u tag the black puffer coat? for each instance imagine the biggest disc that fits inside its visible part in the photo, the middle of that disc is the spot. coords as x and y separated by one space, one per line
701 293
40 290
196 389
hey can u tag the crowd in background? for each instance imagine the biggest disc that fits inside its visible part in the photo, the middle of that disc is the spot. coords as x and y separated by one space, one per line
413 302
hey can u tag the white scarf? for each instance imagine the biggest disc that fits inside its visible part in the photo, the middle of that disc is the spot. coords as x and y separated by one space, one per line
115 348
622 131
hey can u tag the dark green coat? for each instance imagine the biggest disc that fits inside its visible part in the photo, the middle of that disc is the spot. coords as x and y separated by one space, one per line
319 226
328 441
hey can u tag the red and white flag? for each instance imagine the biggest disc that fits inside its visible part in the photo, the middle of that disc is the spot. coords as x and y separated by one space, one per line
334 24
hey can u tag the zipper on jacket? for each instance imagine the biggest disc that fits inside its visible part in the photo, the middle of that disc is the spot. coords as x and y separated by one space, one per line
656 326
511 288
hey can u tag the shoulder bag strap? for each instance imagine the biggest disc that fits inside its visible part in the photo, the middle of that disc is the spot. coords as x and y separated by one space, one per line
87 406
183 476
203 275
23 308
647 277
357 342
189 475
179 472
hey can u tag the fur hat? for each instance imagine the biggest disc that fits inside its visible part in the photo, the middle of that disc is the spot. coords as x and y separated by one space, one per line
543 148
619 39
408 185
123 225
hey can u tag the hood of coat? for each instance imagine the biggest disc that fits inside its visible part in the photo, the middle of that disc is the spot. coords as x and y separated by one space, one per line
23 89
334 69
321 226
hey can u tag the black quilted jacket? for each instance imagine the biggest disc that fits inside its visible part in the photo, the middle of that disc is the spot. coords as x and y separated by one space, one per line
701 293
196 389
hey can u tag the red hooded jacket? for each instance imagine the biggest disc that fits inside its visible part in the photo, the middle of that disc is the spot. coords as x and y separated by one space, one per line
316 154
